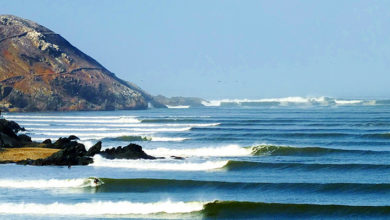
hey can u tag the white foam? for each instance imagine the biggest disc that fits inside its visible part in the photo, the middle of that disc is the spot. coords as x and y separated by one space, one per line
224 151
138 125
69 117
51 183
88 144
84 120
94 135
34 124
147 129
158 164
173 139
286 101
101 208
178 106
99 137
348 102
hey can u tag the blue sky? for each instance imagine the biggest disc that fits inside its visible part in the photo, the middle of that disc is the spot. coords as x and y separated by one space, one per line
230 49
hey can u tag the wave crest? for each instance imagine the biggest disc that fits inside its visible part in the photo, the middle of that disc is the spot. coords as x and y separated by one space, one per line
51 183
224 151
273 150
100 208
158 164
321 101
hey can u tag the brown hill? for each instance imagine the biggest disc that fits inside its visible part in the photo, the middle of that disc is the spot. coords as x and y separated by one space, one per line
41 71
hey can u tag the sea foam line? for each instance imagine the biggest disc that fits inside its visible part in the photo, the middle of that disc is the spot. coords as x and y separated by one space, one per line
96 137
132 125
86 120
68 117
101 208
178 106
293 100
71 129
158 164
50 183
223 151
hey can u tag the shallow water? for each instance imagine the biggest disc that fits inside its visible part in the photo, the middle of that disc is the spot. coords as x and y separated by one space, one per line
262 161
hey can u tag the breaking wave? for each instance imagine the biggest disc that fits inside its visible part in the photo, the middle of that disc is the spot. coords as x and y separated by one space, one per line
178 106
51 183
321 101
83 120
224 151
216 209
100 208
272 150
259 150
158 164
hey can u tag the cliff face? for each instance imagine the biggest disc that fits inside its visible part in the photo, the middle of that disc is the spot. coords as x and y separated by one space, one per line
41 71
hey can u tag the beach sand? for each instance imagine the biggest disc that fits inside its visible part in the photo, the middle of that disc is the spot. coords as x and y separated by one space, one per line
23 153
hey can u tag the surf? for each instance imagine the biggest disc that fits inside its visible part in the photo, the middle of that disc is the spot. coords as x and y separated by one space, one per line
223 151
178 165
50 183
98 208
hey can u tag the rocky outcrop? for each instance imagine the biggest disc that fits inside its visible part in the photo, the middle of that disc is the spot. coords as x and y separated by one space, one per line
41 71
95 149
71 153
131 151
8 134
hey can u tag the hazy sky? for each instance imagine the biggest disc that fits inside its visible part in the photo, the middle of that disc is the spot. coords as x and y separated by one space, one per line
230 49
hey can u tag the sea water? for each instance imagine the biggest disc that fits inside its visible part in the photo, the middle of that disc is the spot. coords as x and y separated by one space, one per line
242 159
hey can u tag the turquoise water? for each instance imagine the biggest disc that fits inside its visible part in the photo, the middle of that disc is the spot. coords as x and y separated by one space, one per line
240 162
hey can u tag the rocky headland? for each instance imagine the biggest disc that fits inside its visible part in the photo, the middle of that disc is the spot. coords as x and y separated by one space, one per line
41 71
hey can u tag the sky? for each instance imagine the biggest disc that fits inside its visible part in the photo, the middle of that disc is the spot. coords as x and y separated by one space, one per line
230 49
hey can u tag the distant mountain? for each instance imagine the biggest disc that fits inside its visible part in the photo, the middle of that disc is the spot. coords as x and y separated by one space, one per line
41 71
180 101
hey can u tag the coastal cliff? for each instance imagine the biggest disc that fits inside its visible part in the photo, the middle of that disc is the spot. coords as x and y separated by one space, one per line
41 71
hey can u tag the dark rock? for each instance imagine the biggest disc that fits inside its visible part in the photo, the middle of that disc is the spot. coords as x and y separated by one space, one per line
131 151
8 134
10 128
73 137
73 155
94 149
63 143
7 141
177 158
47 142
24 138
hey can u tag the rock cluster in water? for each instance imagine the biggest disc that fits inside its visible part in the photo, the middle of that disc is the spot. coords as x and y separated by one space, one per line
71 152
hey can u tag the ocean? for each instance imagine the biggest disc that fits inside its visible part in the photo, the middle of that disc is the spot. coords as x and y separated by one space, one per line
293 158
